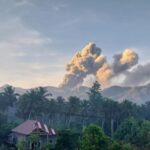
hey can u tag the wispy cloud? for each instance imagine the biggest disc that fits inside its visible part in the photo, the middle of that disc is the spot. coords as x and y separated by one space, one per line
23 52
20 38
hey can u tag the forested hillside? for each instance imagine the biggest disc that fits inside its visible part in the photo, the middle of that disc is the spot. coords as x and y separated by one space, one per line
136 94
116 125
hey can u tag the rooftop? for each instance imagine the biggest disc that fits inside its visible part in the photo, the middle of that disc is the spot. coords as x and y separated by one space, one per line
30 126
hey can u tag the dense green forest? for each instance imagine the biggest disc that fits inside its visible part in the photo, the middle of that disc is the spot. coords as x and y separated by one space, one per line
96 123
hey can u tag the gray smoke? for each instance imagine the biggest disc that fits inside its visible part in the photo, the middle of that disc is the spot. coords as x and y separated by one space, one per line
124 61
89 80
85 62
138 76
90 61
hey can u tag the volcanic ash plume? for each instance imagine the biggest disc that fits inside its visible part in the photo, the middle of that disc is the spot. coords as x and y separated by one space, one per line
104 74
139 76
90 62
89 80
85 62
124 61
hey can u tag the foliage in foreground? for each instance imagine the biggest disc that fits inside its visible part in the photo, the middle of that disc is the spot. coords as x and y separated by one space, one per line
134 131
75 113
92 138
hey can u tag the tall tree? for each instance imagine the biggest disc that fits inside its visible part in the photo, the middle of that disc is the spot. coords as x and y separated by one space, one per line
94 91
8 98
73 109
95 102
111 111
31 104
61 109
128 109
84 112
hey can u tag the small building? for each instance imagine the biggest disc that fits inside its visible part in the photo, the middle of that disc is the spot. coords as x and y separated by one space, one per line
24 131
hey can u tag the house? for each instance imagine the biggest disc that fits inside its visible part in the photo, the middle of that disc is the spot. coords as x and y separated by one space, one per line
24 131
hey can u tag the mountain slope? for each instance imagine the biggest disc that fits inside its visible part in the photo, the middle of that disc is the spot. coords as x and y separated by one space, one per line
138 95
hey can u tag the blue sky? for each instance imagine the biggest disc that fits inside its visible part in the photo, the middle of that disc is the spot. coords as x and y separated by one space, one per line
39 37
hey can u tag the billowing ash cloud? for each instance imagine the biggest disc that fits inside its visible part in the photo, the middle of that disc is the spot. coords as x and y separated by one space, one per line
140 75
104 74
124 61
90 61
85 62
121 64
89 80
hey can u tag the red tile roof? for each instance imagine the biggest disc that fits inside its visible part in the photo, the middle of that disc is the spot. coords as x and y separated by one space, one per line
29 126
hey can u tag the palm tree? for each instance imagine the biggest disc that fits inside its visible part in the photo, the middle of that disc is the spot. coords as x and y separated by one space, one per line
128 109
52 111
111 111
73 109
43 94
10 96
84 112
33 102
60 107
95 102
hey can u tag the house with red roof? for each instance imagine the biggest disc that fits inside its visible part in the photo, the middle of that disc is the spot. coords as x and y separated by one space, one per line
29 128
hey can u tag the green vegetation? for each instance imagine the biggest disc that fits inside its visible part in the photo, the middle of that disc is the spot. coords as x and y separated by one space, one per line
94 123
94 138
134 131
67 139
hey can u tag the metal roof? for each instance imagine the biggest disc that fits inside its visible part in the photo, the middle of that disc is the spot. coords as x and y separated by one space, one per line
30 126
